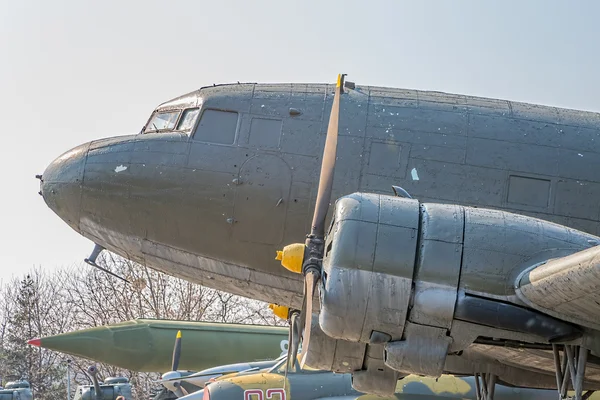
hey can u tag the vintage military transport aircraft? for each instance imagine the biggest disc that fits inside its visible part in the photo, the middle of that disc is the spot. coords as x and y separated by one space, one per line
462 236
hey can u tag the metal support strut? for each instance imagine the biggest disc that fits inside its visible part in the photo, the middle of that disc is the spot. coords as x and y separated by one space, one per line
485 388
572 365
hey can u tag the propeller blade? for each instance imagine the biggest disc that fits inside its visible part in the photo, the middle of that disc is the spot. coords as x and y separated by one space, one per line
293 342
328 164
176 351
311 279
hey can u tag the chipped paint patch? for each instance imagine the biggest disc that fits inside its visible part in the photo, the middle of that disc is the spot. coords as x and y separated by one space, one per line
414 174
120 168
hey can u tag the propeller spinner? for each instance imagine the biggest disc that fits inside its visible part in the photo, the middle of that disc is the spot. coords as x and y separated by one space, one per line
308 258
171 380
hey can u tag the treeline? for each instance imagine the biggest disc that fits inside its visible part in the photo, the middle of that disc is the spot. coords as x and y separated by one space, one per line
43 303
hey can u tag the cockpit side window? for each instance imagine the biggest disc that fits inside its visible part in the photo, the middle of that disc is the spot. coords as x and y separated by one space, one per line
188 119
217 126
162 121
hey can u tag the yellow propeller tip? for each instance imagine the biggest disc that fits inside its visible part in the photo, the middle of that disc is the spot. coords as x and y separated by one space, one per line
339 80
178 335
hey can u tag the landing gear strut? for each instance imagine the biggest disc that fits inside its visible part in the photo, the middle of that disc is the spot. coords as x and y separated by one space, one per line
485 388
572 365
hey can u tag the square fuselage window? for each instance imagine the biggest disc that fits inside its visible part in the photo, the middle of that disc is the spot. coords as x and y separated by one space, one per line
217 127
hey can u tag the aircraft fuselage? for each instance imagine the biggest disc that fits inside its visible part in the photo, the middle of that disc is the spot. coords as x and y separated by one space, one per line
213 204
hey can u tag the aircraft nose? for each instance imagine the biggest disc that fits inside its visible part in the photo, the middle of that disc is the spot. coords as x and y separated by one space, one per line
61 184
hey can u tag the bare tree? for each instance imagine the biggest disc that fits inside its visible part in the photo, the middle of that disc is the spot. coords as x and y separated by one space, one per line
82 297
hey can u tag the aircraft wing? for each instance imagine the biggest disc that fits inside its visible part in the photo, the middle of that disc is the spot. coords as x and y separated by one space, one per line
567 288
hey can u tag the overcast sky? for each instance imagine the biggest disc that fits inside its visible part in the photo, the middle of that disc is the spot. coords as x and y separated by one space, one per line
74 71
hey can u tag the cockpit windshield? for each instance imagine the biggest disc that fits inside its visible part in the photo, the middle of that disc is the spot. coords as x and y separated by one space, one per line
188 119
162 121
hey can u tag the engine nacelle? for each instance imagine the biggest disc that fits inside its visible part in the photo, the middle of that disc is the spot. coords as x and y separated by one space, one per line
398 272
375 280
329 354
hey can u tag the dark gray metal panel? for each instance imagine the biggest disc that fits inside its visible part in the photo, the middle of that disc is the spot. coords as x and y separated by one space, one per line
515 130
217 158
407 136
118 153
388 159
302 137
579 164
577 199
265 133
514 156
254 206
153 150
418 119
309 104
580 118
393 96
378 184
534 111
236 97
462 184
271 101
528 191
438 153
487 106
305 169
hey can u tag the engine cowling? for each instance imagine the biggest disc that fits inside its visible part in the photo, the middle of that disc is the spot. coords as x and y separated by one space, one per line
372 254
398 274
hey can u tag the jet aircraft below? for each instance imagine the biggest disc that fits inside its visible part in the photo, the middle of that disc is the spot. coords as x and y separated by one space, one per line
305 383
461 237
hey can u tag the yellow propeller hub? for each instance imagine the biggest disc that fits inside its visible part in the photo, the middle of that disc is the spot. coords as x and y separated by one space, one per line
291 257
280 311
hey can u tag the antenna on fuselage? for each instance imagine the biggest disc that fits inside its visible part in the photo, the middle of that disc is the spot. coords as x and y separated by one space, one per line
400 192
91 260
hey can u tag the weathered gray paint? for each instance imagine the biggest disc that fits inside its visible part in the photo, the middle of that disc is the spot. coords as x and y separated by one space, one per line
215 214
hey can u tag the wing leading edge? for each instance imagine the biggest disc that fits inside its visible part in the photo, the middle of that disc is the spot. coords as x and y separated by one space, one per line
567 288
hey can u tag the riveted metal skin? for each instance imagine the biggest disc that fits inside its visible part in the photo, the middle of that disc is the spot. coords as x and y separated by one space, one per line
212 204
331 354
369 266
